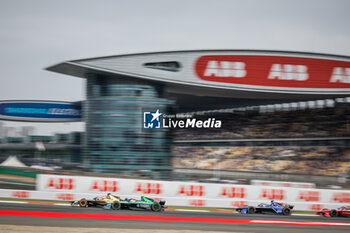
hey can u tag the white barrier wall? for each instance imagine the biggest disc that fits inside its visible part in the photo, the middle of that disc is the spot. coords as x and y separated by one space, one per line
191 193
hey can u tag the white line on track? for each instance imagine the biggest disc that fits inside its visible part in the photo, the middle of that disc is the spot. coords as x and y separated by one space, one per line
301 223
15 202
191 210
305 215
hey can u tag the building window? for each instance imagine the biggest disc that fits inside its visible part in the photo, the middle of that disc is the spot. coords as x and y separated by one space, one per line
172 66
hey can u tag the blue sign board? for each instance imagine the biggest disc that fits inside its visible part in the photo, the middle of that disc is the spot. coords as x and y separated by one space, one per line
151 120
40 111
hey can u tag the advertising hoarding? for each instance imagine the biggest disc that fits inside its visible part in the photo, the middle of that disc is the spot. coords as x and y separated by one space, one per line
40 111
193 193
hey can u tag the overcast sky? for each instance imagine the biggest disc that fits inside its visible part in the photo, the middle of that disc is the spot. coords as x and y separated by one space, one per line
36 34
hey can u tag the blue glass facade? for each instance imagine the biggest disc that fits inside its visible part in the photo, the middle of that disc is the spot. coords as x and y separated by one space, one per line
115 139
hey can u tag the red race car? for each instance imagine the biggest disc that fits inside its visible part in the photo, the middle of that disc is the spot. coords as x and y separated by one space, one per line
343 211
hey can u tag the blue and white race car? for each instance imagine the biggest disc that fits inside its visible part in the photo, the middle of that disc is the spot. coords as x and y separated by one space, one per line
262 208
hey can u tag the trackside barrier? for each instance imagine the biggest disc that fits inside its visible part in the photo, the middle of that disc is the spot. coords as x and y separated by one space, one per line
58 187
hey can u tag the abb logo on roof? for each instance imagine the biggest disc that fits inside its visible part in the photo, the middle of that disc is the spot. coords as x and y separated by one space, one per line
274 71
225 69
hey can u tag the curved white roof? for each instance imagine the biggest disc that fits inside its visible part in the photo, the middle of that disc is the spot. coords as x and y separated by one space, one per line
227 73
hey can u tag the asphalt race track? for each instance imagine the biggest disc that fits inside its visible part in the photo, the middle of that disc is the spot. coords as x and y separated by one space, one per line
54 215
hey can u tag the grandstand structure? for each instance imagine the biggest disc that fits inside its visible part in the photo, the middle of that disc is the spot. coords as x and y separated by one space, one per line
300 138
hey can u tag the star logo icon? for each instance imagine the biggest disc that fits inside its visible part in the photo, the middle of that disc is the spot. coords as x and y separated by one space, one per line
156 115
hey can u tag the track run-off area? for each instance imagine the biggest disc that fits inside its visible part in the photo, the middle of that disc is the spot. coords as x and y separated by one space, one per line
75 217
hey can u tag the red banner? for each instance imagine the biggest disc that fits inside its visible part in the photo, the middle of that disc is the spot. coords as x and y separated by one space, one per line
274 71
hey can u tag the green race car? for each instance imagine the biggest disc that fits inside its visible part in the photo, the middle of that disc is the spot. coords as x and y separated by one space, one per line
144 203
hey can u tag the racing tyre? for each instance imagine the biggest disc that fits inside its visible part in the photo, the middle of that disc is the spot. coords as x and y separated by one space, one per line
156 207
333 213
251 210
286 211
116 205
83 203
